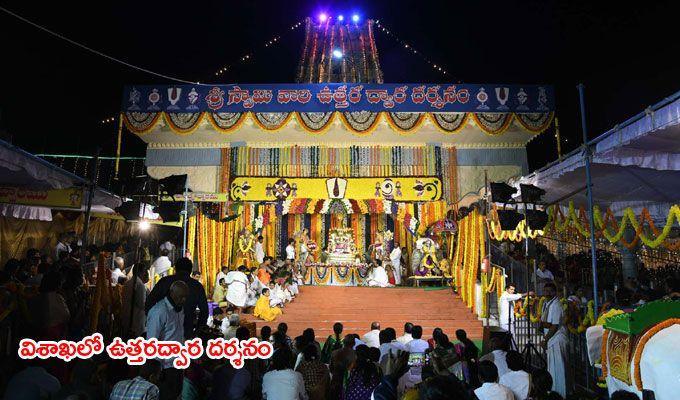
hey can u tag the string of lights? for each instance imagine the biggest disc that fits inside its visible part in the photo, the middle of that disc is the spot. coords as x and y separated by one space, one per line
249 56
409 48
97 52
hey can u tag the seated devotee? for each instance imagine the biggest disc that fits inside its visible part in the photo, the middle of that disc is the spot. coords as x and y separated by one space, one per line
281 382
517 380
264 272
372 338
280 291
364 376
468 353
378 276
274 298
141 387
231 383
265 333
497 355
32 383
230 325
264 310
417 345
388 343
541 386
491 389
220 293
237 289
333 342
314 372
406 337
433 340
222 274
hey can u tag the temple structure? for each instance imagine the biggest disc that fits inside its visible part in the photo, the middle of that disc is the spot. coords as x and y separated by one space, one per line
385 157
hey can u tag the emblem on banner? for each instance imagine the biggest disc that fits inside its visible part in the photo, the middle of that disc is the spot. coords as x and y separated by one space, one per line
134 98
193 99
154 98
502 94
542 99
215 98
522 98
482 98
173 97
388 189
336 188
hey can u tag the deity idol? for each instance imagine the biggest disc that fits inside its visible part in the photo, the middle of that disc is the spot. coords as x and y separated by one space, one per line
246 247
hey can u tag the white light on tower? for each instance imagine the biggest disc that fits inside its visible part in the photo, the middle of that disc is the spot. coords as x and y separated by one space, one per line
144 225
337 53
355 18
341 18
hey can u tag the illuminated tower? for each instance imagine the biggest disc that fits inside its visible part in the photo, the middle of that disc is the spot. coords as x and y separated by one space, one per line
339 50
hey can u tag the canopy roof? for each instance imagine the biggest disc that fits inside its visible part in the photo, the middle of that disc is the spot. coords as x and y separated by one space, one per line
22 170
635 164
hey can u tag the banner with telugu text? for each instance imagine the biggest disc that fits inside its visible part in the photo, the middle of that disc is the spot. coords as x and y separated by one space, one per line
347 97
64 198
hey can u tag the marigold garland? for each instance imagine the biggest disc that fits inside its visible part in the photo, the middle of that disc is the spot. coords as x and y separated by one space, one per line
578 221
641 346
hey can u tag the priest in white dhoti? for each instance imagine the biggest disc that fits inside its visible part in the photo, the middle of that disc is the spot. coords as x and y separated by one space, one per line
378 276
506 318
237 287
555 339
259 250
395 259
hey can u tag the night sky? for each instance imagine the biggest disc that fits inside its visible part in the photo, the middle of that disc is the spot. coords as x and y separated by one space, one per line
53 95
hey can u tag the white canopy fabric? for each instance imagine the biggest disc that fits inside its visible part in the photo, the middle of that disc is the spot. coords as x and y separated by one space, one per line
636 164
19 168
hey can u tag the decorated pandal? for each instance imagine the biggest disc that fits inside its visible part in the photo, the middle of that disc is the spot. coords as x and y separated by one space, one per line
349 170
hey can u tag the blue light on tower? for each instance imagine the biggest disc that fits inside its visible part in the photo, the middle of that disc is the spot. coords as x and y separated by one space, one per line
337 53
355 18
323 17
341 17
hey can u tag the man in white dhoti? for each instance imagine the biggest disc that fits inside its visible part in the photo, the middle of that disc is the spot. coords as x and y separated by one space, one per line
395 258
378 276
555 339
237 287
259 250
506 318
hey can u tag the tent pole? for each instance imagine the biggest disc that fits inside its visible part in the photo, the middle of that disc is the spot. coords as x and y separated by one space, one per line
88 209
186 216
589 188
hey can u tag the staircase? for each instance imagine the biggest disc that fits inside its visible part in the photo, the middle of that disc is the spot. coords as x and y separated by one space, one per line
319 307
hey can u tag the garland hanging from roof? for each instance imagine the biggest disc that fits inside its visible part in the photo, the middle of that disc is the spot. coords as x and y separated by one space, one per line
652 237
359 123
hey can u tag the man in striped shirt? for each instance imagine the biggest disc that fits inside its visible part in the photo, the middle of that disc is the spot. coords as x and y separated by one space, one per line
142 387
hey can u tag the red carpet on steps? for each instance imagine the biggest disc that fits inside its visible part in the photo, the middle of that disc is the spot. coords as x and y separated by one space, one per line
319 307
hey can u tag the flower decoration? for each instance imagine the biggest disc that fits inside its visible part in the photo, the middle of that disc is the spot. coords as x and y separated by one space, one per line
281 189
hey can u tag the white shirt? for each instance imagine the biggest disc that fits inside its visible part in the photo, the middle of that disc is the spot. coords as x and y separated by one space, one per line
498 358
395 257
553 314
518 382
164 323
371 338
220 275
61 247
259 252
417 346
393 346
290 252
504 314
405 338
161 265
115 274
493 391
283 385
